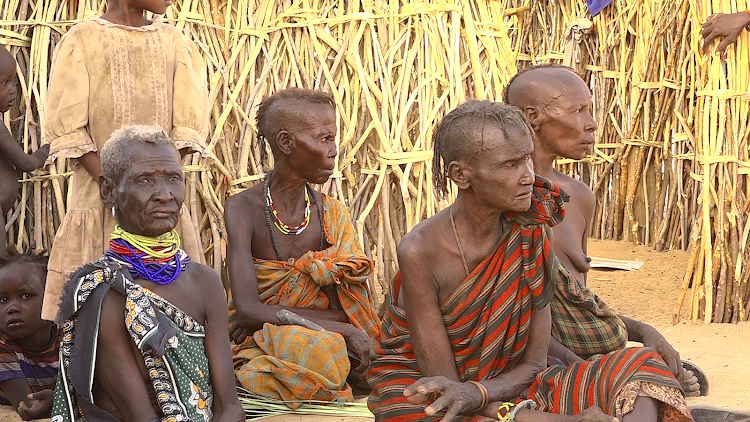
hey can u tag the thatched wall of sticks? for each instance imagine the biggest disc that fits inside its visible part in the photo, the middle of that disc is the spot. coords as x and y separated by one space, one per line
669 169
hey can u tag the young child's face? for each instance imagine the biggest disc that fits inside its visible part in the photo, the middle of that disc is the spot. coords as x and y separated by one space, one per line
7 81
21 294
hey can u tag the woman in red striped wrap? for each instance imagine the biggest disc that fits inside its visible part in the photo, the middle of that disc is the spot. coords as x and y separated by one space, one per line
467 320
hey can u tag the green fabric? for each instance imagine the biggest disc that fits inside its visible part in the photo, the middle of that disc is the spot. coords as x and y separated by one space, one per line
171 342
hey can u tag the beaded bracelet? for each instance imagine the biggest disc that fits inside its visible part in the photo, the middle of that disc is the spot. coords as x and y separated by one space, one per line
485 395
508 410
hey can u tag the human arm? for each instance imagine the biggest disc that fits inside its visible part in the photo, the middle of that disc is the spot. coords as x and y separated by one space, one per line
116 365
650 337
93 165
190 105
10 149
41 405
251 312
725 27
16 391
226 406
559 351
460 398
67 110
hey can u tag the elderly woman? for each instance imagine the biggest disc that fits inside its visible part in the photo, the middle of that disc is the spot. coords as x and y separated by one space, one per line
166 340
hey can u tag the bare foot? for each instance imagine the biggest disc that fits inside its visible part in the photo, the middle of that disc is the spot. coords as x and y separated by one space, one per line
690 384
694 382
594 414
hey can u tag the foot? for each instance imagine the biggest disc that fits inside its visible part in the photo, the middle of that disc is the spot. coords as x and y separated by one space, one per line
690 384
694 382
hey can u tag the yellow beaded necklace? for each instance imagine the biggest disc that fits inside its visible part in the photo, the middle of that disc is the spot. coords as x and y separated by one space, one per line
170 241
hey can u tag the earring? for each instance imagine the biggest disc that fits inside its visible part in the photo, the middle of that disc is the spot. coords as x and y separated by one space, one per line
113 213
182 209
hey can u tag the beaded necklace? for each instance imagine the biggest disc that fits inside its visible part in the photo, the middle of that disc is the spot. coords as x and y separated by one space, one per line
283 228
157 259
267 212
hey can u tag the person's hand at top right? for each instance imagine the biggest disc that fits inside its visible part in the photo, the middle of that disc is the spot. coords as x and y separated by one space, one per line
725 27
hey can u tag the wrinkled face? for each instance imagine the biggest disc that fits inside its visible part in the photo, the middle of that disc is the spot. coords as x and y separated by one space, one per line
502 173
158 7
21 294
7 81
568 128
150 190
314 144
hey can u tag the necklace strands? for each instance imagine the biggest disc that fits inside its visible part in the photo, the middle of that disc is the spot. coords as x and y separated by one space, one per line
283 228
269 224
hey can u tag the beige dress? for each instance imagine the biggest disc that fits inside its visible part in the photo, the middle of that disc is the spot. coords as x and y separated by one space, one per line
105 76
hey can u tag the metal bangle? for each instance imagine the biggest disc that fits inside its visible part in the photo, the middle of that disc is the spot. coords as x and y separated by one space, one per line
483 391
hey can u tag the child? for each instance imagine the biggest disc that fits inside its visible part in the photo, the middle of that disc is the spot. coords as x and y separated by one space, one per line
118 70
12 157
28 344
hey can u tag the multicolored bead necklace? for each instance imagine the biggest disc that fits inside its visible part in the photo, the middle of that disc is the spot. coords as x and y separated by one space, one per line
283 228
157 259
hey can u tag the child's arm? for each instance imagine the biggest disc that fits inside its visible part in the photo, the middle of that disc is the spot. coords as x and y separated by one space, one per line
93 165
16 391
190 106
226 406
41 405
67 111
10 149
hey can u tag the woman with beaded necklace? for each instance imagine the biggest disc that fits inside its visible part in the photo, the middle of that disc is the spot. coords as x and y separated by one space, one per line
306 261
134 329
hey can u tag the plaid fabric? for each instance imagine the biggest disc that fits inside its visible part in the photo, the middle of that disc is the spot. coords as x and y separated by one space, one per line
297 283
570 390
582 322
486 317
294 364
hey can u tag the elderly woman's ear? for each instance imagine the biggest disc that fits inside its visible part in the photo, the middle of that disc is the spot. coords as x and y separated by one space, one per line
107 192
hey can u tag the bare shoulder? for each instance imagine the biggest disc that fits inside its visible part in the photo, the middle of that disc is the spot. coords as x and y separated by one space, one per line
578 191
423 242
207 281
241 205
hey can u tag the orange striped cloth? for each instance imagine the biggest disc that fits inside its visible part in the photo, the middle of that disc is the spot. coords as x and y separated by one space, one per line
487 319
273 362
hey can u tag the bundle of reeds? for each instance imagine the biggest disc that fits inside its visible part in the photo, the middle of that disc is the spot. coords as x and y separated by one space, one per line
668 170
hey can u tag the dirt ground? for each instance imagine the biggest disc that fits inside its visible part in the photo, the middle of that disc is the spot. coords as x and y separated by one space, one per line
649 294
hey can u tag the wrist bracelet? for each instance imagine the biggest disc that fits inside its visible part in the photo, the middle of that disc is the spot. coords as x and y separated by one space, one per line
519 406
483 391
508 410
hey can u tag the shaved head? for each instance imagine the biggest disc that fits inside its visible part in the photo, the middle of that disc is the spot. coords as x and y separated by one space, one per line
288 110
541 85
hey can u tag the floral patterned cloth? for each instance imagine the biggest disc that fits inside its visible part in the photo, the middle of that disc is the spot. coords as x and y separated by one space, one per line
170 340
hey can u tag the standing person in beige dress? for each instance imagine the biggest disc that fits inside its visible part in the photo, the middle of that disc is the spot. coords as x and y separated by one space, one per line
118 70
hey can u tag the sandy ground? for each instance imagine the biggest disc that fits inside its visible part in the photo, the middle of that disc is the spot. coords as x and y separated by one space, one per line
648 294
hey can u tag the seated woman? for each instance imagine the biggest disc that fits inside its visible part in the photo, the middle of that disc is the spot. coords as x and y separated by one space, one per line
467 323
315 269
144 324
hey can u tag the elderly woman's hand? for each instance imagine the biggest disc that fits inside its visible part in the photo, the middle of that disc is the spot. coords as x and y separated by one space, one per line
724 26
453 396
